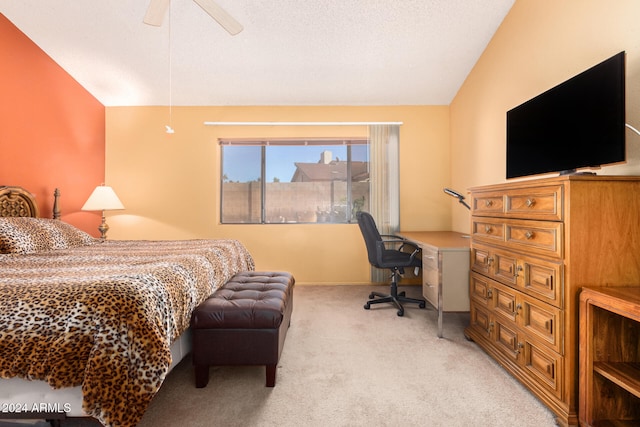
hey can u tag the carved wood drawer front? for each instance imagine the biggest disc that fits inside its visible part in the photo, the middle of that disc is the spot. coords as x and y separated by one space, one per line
480 260
487 230
538 277
488 204
504 301
506 268
542 279
545 366
481 290
480 319
508 339
540 237
541 321
540 203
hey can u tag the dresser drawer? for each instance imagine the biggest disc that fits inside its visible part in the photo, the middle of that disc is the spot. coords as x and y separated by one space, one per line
542 279
480 259
480 321
544 366
487 229
541 321
505 301
507 338
480 289
488 204
541 237
539 277
535 237
505 267
538 203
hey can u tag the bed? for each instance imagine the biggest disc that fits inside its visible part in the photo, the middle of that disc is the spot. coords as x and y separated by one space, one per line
91 327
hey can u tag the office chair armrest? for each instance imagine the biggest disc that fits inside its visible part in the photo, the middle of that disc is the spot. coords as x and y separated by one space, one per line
388 238
393 237
392 243
403 242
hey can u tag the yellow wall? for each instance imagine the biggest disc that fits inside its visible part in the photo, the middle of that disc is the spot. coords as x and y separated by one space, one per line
169 184
540 43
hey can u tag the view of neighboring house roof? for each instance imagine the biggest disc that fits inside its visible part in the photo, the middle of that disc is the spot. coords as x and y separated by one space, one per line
333 171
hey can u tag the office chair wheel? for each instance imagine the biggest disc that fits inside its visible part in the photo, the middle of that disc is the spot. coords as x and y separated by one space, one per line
367 306
400 313
422 304
371 295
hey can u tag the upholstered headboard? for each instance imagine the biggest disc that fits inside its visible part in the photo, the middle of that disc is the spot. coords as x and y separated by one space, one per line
16 201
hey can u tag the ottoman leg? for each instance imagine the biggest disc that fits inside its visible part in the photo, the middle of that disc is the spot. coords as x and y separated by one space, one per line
271 375
202 375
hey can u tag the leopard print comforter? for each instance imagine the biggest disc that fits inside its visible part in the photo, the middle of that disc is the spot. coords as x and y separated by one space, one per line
103 316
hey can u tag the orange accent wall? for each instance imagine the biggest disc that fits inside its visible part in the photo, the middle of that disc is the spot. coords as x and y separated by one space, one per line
52 131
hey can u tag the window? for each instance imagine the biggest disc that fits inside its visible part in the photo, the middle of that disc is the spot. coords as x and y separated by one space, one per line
294 180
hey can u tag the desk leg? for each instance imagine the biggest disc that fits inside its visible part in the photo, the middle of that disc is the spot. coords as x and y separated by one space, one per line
439 308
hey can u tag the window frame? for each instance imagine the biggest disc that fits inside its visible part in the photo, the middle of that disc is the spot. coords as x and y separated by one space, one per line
264 143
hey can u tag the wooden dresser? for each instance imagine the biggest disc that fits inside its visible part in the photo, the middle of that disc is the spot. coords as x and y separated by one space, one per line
534 244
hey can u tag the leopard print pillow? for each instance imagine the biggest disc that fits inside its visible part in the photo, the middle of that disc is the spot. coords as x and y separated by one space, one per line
28 235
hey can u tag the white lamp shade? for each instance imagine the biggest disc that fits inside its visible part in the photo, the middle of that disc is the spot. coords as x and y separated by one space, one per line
103 198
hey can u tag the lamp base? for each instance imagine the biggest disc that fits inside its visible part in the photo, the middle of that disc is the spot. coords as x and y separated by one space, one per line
103 228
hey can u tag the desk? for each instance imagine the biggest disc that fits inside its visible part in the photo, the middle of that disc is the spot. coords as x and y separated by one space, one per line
445 269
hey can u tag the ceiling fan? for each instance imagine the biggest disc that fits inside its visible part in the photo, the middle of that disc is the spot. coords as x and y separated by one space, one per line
157 10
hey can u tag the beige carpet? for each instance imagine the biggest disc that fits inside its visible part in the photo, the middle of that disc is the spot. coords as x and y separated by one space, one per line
346 366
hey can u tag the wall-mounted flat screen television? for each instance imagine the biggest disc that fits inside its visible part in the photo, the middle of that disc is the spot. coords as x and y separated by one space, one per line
579 123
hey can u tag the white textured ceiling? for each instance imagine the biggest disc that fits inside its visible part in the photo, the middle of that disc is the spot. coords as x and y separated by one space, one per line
291 52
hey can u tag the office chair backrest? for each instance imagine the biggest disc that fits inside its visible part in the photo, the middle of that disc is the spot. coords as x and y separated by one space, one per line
371 236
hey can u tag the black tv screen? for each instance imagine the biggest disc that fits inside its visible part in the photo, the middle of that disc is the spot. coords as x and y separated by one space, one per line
579 123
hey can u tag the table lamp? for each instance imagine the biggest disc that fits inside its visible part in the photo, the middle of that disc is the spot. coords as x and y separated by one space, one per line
103 199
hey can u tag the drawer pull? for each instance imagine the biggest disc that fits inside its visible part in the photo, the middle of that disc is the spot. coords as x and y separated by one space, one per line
518 270
488 203
520 347
490 261
490 328
430 285
530 202
529 235
431 257
518 308
489 293
487 229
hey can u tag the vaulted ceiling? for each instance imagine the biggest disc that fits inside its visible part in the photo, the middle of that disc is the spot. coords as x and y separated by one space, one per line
290 52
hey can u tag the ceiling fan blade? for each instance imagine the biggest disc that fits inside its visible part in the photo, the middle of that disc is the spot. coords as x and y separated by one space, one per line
155 12
220 15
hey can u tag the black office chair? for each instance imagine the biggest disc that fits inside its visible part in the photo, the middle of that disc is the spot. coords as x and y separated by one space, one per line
382 255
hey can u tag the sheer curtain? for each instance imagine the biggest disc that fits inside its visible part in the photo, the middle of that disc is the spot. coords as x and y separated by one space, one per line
384 183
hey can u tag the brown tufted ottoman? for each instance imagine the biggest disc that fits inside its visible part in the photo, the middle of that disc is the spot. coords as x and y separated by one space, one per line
243 323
